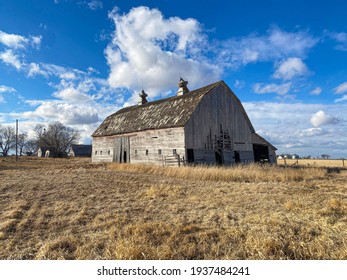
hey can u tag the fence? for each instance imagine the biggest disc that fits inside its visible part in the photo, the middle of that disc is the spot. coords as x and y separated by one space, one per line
313 162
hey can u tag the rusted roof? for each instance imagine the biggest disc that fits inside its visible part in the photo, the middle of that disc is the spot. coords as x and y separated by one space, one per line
165 113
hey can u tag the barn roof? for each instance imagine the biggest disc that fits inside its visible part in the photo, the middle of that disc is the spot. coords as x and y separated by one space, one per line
165 113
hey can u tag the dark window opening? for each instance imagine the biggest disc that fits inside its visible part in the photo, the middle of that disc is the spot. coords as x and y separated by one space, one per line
159 152
190 155
125 156
237 157
96 152
174 151
135 152
146 152
100 152
109 152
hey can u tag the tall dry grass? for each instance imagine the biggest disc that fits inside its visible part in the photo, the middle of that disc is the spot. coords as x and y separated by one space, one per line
239 173
72 209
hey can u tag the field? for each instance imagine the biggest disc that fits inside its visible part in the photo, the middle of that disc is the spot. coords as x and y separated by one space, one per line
72 209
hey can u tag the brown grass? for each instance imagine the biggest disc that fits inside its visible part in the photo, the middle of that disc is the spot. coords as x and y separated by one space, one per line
72 209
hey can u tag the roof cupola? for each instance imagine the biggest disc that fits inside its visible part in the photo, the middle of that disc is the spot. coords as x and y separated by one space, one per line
143 96
182 87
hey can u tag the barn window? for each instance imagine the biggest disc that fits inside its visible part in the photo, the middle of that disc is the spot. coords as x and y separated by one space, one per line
100 153
146 152
135 152
109 152
96 152
159 151
174 151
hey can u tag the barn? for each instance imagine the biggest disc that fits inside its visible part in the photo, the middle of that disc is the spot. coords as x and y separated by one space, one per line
204 126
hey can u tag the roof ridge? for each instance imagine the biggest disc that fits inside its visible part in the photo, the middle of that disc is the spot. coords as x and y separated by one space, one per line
175 97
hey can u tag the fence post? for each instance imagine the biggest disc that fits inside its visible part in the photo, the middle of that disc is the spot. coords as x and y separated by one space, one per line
343 162
179 161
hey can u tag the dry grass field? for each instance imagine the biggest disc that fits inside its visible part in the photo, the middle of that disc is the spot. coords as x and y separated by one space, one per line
72 209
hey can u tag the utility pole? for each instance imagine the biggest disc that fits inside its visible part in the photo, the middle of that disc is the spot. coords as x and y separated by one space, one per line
16 140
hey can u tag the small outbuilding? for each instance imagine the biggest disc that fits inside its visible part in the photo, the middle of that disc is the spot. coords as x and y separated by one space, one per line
80 150
205 126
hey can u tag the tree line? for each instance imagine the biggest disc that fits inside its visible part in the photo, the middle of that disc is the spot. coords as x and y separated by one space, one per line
55 136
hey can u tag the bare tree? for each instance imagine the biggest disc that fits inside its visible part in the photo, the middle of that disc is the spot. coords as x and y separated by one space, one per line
56 137
30 147
22 138
7 139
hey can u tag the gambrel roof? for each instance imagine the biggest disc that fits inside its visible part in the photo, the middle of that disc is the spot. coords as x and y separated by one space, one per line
165 113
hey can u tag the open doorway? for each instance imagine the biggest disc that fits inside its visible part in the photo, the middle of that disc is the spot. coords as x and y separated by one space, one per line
219 156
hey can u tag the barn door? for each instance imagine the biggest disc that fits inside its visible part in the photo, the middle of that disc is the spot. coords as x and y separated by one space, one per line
261 152
121 150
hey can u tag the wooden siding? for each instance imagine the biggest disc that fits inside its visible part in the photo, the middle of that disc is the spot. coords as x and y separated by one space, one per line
144 146
166 140
219 123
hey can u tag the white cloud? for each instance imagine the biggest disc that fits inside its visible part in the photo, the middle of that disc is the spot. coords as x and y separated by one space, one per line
342 88
66 113
341 39
13 40
276 44
36 41
321 118
10 58
343 98
316 91
261 88
311 132
71 94
151 52
6 89
290 68
239 84
288 127
34 69
95 5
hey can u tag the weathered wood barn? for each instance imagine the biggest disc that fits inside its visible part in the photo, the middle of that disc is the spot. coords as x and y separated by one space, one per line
208 125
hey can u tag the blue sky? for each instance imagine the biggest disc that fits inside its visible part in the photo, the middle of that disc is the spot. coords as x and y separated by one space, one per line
79 61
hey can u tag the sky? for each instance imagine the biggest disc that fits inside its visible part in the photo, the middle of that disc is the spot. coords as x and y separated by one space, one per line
79 61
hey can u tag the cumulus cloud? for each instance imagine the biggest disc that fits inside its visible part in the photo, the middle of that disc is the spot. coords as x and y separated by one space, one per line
2 99
10 58
316 91
151 52
72 94
261 88
288 127
321 118
290 68
276 44
66 113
